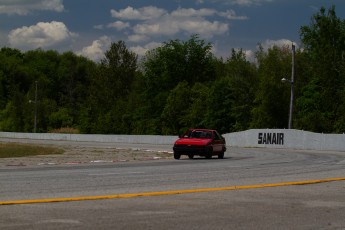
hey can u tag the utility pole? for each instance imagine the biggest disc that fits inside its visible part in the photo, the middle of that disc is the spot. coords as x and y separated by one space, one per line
35 121
292 86
35 102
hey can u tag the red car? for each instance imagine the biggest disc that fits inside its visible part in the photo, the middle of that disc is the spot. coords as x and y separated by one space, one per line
201 142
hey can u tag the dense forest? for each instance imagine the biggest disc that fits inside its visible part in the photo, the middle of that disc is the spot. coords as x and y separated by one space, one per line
178 85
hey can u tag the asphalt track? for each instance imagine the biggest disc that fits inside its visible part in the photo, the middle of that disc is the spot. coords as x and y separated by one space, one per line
177 192
249 189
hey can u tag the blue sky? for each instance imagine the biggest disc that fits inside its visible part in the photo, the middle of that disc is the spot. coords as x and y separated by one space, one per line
87 27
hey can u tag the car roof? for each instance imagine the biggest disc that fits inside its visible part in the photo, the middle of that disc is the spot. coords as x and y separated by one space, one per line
202 129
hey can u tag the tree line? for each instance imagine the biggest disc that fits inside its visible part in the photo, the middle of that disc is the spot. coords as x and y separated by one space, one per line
178 85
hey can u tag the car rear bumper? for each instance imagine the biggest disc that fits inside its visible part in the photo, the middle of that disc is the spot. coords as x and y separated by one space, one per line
196 150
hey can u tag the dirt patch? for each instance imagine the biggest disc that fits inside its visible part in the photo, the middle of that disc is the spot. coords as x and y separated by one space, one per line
87 155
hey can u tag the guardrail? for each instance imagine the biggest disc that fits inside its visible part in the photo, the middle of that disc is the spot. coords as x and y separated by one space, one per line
267 138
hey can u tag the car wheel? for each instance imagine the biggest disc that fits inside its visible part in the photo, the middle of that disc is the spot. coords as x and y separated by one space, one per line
221 155
177 156
191 156
209 154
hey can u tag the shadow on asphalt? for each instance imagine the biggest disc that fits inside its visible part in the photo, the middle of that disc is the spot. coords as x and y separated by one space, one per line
214 158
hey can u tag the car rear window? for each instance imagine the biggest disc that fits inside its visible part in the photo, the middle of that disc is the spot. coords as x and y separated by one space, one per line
200 134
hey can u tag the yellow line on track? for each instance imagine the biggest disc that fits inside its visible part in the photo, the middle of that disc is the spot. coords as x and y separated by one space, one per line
176 192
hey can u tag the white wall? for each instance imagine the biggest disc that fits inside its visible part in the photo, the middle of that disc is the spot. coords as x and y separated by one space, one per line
268 138
295 139
135 139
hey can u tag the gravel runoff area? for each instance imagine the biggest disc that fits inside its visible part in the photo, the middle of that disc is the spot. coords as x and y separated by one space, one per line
86 154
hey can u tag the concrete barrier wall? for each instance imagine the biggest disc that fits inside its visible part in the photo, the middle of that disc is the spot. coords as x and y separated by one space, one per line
286 138
267 138
135 139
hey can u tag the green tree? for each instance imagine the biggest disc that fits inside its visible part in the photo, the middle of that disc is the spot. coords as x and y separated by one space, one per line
15 82
74 75
119 66
272 97
174 62
110 86
41 67
243 80
176 107
219 102
59 119
324 43
196 114
10 68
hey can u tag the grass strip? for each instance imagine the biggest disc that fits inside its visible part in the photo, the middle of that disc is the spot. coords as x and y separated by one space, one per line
9 150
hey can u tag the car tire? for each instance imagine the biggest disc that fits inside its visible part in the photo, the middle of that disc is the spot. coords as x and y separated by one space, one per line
177 156
221 155
209 153
191 156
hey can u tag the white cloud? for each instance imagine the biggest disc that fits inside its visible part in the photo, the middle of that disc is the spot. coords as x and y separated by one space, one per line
280 43
98 27
144 13
204 27
250 55
182 12
241 2
187 21
159 28
141 50
97 49
3 38
170 26
55 5
138 38
249 2
231 14
153 22
24 7
41 35
119 25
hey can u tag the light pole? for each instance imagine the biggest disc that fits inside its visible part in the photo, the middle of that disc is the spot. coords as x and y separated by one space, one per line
35 122
292 83
35 102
